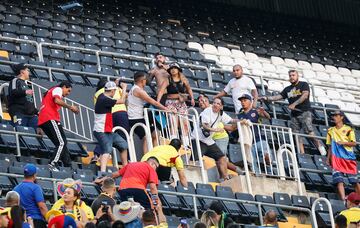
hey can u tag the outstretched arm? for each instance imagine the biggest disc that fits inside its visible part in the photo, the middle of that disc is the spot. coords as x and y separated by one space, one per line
220 94
143 95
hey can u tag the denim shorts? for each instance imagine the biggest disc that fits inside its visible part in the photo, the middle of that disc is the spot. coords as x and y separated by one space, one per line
339 177
109 140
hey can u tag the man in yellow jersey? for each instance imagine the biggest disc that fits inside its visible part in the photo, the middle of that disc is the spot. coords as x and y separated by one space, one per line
119 111
341 140
352 213
168 157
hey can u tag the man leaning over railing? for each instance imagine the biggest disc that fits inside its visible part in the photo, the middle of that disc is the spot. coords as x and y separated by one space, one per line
298 94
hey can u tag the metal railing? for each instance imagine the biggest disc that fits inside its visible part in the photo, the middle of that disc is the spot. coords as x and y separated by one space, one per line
168 125
195 197
265 159
313 211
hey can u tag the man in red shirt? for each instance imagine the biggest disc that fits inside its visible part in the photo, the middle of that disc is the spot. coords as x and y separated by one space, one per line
135 178
49 122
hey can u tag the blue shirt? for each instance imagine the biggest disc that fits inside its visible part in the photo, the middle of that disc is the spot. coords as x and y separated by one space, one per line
254 117
30 194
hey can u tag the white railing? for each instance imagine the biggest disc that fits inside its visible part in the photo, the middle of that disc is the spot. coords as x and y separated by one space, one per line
80 125
169 125
313 212
272 152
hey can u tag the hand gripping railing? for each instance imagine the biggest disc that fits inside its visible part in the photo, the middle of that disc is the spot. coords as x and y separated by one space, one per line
169 125
313 212
260 148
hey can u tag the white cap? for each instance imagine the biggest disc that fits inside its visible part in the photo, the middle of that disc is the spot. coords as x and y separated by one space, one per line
110 86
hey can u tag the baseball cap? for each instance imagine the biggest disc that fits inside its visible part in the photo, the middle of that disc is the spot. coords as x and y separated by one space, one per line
174 65
337 112
353 197
29 169
62 221
110 86
245 96
19 67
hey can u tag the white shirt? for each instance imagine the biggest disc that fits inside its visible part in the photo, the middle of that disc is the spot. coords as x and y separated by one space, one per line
208 116
135 105
237 87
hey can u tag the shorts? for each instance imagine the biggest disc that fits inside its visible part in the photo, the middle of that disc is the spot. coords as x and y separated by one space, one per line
212 151
139 131
139 195
223 144
164 173
302 121
176 105
338 177
121 119
109 140
25 120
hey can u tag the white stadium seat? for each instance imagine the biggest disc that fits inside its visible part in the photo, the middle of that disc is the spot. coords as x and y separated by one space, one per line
253 64
331 69
210 49
282 70
323 100
291 63
212 57
333 94
308 74
258 72
237 53
275 86
344 71
251 56
346 96
355 73
350 80
336 78
317 67
277 60
319 92
322 76
268 67
304 65
272 75
241 62
224 51
194 45
226 60
245 70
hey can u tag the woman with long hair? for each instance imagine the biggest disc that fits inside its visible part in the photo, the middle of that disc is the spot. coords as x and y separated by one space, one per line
71 205
18 216
178 91
209 218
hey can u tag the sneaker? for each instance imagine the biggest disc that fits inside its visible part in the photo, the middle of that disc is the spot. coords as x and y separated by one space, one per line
94 160
322 150
53 167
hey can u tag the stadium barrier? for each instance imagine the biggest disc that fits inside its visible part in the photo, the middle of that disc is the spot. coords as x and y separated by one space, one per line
169 125
313 211
278 143
194 197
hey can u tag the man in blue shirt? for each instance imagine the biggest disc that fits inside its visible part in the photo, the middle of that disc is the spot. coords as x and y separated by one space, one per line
260 147
31 196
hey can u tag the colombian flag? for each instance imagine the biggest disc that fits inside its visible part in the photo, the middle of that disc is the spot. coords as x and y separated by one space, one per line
342 159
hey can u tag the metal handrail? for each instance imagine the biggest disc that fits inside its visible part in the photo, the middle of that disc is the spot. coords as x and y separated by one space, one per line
313 212
194 196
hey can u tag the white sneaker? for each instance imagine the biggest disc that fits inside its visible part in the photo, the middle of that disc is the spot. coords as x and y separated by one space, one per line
322 150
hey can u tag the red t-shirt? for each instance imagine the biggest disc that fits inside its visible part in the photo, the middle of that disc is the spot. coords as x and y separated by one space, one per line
49 109
137 175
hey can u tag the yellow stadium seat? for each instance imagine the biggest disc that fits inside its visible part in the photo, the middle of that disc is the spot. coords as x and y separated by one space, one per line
4 54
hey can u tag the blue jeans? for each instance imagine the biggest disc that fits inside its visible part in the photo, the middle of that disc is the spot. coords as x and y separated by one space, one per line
109 140
262 148
25 120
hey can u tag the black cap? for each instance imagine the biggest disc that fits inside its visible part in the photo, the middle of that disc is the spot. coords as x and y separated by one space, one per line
245 96
19 67
174 65
337 112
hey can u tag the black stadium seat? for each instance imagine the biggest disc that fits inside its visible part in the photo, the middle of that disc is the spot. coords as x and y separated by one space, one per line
188 199
171 203
232 207
269 199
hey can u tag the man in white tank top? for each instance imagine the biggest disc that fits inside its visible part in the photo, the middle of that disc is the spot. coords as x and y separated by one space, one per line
137 98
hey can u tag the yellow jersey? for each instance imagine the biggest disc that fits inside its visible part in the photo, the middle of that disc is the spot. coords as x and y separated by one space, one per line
118 93
352 214
220 135
166 155
343 134
88 211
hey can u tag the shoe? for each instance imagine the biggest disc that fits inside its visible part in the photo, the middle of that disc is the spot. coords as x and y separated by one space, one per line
322 150
53 167
94 160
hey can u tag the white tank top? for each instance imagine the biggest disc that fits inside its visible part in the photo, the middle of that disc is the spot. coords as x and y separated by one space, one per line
135 105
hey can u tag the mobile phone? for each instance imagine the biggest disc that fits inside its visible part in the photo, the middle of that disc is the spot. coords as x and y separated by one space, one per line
105 208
